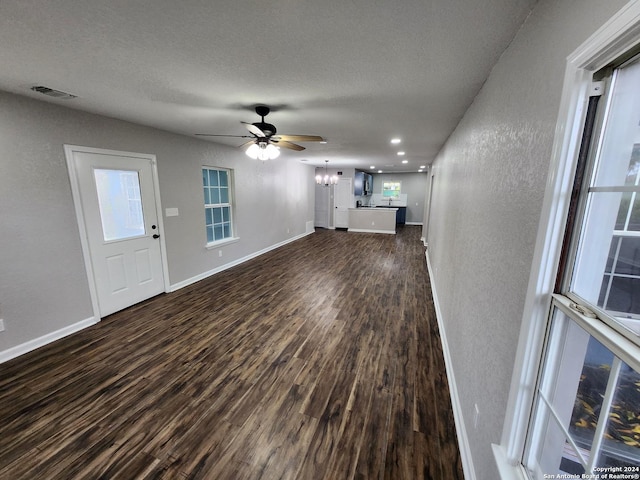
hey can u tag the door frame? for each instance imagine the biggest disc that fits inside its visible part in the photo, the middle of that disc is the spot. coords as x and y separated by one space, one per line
325 197
69 151
336 188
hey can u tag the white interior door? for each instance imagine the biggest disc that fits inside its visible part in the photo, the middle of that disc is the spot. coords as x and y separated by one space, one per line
115 195
322 206
344 200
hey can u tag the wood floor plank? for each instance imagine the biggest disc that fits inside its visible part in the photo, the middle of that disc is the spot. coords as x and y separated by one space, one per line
320 359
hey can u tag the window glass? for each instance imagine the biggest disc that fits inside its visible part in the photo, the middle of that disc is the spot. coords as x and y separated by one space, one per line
607 270
217 204
588 412
120 204
390 189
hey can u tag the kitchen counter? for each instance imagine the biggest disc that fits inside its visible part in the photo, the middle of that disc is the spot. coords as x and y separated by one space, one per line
372 220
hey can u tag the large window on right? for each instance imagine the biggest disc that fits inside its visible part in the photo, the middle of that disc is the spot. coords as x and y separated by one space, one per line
586 418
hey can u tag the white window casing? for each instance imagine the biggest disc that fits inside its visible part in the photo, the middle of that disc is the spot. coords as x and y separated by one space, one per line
618 35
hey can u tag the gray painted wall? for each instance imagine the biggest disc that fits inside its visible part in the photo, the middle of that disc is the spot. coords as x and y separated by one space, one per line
413 184
489 183
43 284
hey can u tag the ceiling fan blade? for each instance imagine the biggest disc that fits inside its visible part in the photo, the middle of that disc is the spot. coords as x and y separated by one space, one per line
300 138
289 145
214 135
246 144
253 129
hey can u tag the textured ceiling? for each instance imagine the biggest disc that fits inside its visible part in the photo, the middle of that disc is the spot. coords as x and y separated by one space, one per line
357 72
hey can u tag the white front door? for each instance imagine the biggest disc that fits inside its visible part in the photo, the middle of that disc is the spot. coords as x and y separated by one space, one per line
344 200
117 207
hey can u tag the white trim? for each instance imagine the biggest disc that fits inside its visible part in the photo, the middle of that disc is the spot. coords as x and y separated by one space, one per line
367 230
203 275
458 417
620 33
84 241
413 223
221 243
31 345
77 202
506 470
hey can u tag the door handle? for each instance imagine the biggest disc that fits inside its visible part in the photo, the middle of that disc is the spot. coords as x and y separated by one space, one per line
155 235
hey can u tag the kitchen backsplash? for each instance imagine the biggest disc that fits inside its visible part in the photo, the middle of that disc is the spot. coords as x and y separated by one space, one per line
377 199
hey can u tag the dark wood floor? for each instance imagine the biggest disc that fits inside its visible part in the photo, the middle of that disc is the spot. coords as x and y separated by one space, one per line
319 360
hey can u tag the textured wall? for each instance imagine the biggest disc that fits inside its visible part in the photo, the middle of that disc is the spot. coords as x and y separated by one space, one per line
43 284
489 184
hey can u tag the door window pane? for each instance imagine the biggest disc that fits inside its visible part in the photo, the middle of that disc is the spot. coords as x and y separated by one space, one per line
120 204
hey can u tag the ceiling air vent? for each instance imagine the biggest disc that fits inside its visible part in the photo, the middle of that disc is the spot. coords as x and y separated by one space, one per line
53 93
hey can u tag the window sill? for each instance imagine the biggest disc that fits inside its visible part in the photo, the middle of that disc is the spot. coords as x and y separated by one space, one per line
507 470
221 243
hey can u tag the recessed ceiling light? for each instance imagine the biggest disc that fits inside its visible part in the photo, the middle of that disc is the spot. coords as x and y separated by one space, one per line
422 166
379 171
400 154
396 140
405 161
372 167
420 171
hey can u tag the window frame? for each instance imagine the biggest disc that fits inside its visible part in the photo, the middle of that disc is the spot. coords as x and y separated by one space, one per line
394 193
229 205
617 36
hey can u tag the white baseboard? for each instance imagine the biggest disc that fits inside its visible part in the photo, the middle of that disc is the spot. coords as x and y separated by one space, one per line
463 439
31 345
310 228
226 266
413 223
26 347
367 230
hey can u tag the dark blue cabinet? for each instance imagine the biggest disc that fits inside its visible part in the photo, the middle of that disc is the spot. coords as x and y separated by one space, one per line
362 184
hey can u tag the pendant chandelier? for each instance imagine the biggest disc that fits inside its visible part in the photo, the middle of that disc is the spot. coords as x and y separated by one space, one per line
326 180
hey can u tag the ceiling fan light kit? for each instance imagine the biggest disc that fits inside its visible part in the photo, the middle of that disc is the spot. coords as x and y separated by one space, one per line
262 151
265 144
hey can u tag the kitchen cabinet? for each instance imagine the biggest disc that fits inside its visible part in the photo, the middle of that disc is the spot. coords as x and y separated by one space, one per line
362 184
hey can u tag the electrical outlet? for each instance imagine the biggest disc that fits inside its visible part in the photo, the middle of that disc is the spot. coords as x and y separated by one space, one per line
219 253
1 325
476 414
